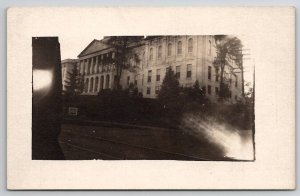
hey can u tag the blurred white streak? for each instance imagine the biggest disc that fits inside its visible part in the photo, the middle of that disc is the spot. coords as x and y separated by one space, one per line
237 144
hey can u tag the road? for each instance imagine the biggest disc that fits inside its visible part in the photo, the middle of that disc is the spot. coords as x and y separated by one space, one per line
87 142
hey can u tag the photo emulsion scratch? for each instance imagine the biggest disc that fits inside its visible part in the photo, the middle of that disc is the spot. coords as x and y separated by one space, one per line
164 97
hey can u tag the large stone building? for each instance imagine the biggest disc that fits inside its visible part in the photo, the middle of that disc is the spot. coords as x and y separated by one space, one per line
190 57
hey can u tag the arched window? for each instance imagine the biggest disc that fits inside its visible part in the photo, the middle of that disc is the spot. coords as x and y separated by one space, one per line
92 85
107 82
169 49
96 84
151 54
101 82
179 48
190 45
159 52
86 86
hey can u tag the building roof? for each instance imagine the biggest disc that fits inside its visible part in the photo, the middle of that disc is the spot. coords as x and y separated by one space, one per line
69 61
99 45
94 46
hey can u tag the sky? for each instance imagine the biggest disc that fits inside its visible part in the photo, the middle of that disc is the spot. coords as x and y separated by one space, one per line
72 46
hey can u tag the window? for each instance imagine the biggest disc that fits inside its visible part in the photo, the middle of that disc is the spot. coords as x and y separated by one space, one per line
235 97
97 68
168 68
217 90
101 82
217 74
179 48
138 61
209 73
93 68
190 45
204 89
157 89
230 94
169 49
89 67
92 65
86 86
85 67
131 61
135 81
178 72
189 71
149 75
151 54
99 64
96 84
209 89
128 80
92 85
107 81
158 75
159 52
236 81
148 90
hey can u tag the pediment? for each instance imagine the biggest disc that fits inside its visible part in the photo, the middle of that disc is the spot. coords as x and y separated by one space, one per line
94 46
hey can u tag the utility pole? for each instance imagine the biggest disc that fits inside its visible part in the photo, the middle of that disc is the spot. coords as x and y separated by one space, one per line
253 111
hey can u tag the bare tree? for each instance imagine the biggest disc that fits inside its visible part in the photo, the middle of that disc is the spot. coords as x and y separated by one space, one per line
122 50
227 46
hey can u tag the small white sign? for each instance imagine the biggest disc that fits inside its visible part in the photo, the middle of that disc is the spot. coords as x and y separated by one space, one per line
73 111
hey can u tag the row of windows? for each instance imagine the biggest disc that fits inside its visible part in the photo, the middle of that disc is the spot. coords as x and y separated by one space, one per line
157 89
177 73
91 85
169 51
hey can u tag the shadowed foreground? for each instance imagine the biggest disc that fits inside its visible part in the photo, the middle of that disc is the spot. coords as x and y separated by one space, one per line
86 141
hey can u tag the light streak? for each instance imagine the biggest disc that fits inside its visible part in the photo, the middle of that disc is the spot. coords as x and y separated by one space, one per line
237 144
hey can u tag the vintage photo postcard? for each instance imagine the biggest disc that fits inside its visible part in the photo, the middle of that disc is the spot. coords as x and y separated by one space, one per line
151 98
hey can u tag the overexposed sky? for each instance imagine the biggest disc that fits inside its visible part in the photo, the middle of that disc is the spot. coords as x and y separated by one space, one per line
70 47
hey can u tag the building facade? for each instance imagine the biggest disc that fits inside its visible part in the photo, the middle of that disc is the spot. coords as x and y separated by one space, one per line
190 57
67 67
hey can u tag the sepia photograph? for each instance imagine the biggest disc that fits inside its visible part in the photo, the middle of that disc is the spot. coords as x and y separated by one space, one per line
167 97
150 98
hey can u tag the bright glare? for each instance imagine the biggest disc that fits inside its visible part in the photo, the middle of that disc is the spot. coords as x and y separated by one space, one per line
42 79
237 144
